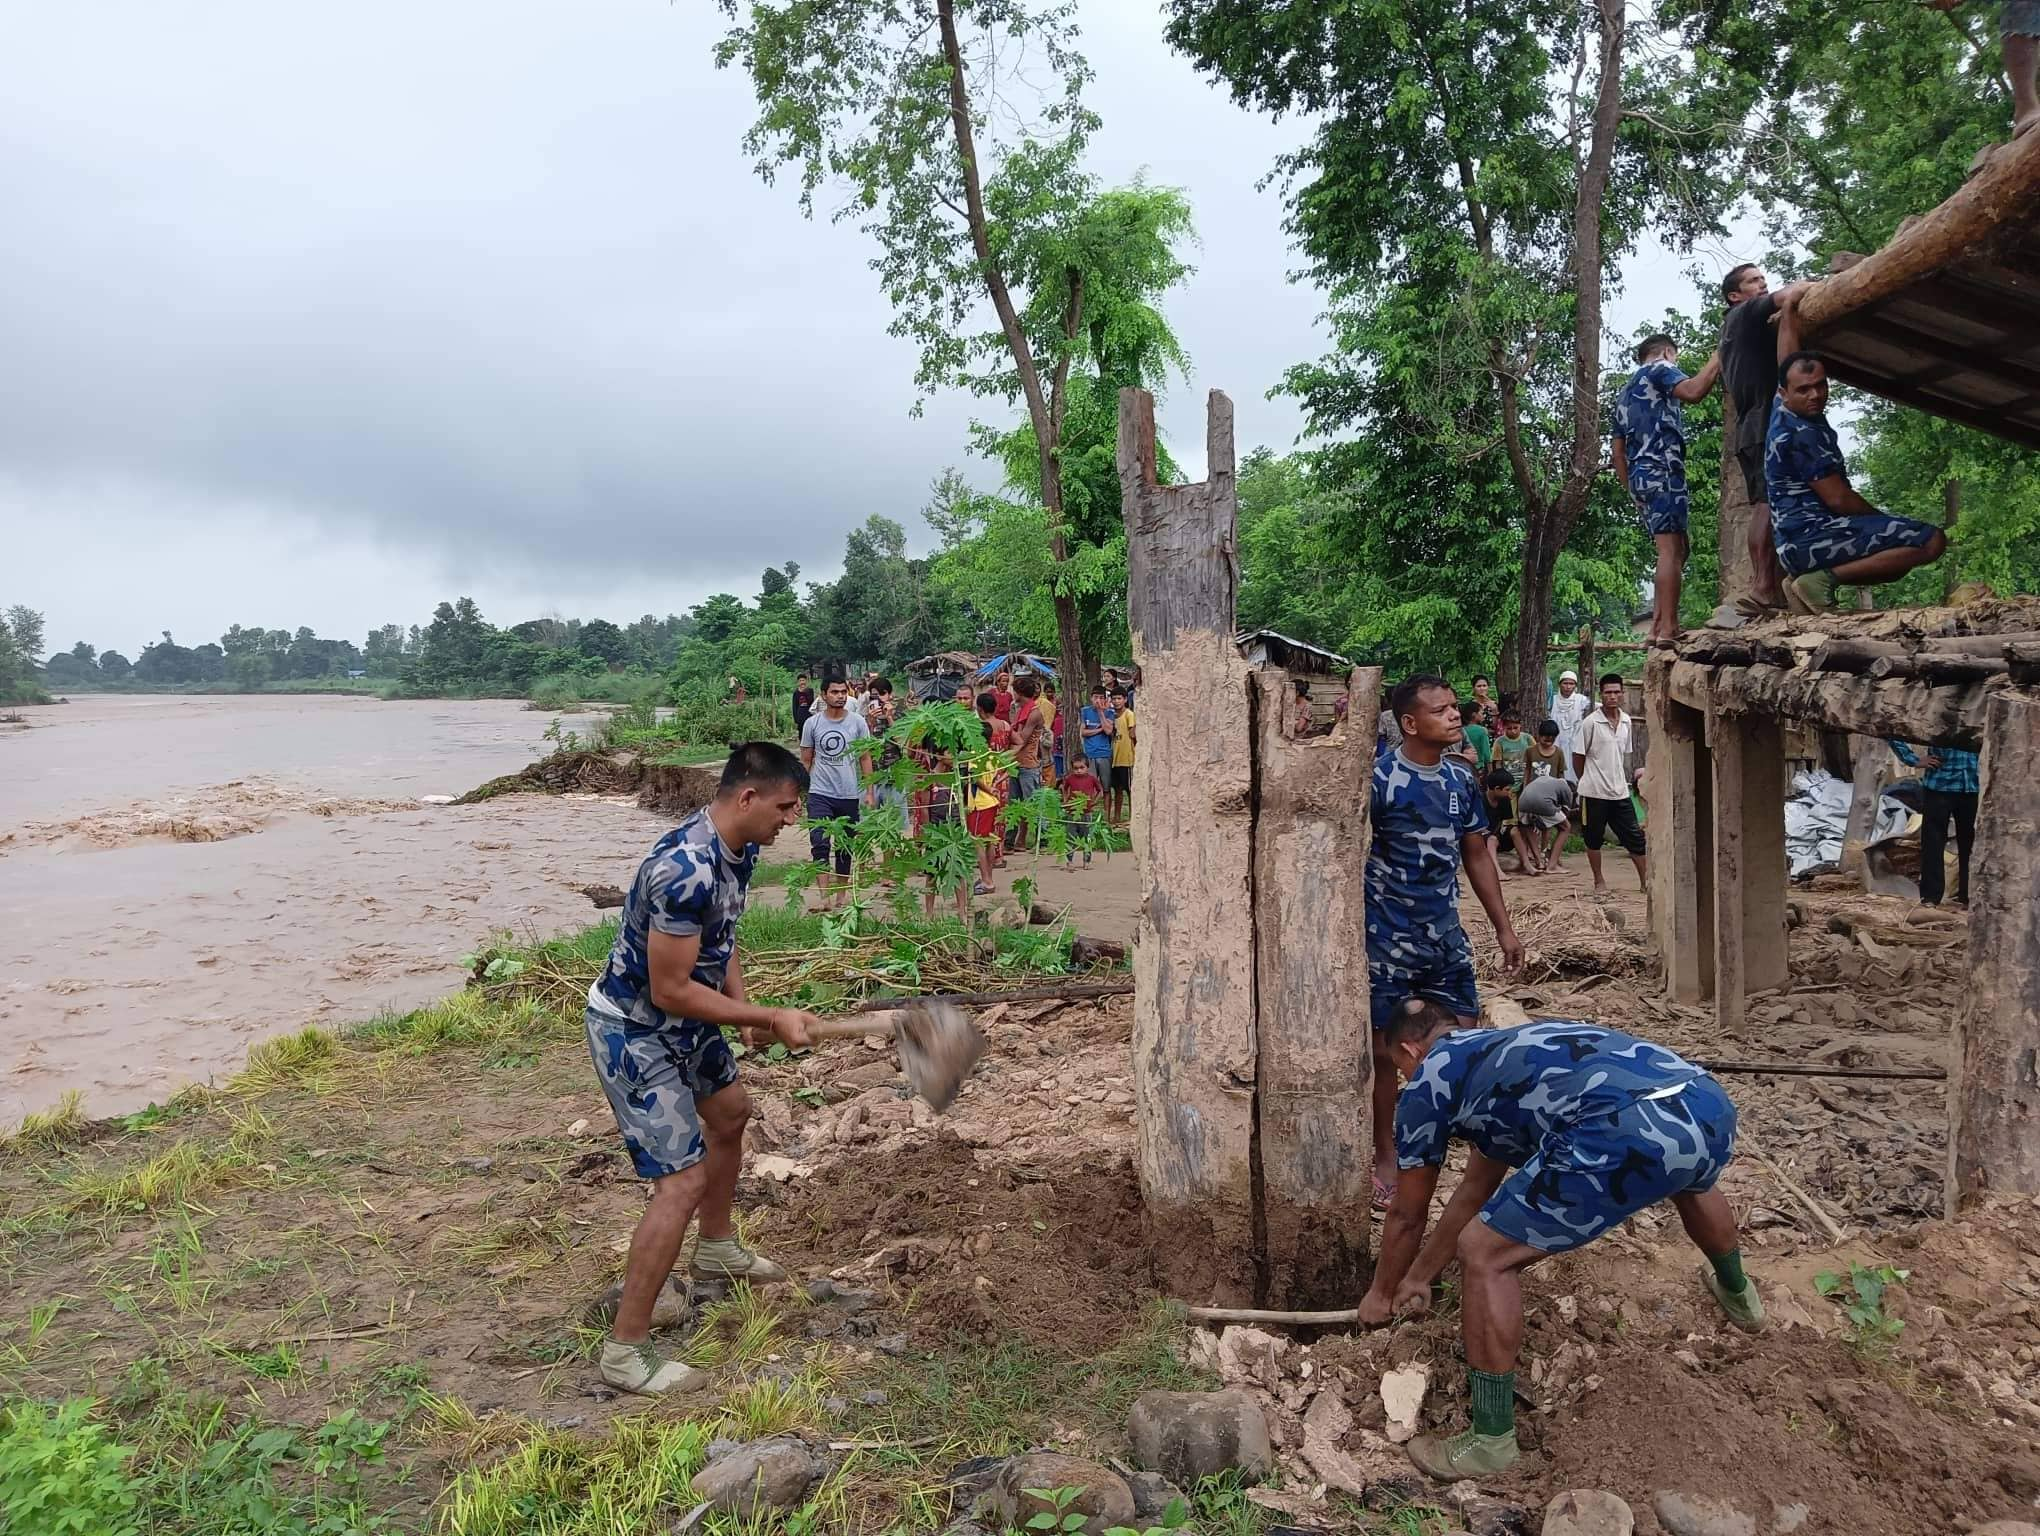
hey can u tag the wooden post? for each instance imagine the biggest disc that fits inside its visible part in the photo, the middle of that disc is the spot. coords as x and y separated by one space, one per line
1994 1096
1193 1023
1588 683
1678 791
1311 841
1749 860
1732 531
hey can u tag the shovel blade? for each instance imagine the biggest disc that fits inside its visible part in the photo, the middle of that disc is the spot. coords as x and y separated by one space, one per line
938 1045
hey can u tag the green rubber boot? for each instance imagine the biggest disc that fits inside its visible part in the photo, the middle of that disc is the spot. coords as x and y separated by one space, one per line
1465 1455
1744 1308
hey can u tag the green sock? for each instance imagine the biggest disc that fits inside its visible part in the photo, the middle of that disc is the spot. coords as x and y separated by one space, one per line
1728 1270
1494 1401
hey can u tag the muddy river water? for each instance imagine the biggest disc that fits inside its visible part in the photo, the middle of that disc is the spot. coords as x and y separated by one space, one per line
183 876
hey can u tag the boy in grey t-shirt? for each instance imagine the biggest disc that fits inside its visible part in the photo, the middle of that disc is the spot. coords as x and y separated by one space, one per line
829 747
1544 809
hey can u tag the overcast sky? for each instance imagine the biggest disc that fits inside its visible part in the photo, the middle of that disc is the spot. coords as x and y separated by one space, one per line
320 315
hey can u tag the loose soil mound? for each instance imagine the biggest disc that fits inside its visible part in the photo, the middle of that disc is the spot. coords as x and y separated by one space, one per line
576 772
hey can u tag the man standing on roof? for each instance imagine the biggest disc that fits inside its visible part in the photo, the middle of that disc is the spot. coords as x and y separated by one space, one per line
1648 451
1748 356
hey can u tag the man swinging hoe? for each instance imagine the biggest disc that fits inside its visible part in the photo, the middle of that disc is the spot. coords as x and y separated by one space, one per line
1571 1129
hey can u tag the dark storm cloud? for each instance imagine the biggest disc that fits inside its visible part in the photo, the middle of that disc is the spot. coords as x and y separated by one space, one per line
492 287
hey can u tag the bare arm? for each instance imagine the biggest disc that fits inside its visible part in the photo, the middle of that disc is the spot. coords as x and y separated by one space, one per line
1787 318
670 958
1618 457
1839 497
1402 1229
1485 876
1484 1176
807 758
1702 383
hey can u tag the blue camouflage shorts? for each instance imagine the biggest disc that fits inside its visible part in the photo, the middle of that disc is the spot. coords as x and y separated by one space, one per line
1439 969
1600 1171
1664 507
653 1078
2019 18
1821 544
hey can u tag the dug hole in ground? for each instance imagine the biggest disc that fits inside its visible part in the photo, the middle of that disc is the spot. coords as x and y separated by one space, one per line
416 1228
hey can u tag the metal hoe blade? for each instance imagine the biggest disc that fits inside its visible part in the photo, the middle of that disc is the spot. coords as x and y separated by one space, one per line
938 1045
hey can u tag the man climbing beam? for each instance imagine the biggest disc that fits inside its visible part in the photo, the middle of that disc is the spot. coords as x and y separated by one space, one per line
1595 1125
655 1018
1648 452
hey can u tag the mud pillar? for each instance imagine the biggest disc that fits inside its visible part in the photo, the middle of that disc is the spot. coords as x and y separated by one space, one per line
1994 1091
1733 524
1678 791
1314 1149
1749 860
1193 965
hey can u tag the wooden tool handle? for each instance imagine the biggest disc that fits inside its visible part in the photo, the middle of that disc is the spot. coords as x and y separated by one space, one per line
851 1029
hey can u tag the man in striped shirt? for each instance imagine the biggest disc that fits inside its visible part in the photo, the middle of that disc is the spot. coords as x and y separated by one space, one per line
1950 786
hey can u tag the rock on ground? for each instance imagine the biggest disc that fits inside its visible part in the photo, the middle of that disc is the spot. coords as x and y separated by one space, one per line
2007 1528
1153 1494
1588 1512
1694 1514
1186 1436
1106 1501
764 1475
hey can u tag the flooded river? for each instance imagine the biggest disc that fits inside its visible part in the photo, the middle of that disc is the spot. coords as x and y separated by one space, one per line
182 876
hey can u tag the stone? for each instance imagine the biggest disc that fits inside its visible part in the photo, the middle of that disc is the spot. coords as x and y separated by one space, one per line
2007 1528
873 1398
1153 1494
764 1475
1485 1516
894 1344
1588 1512
1186 1436
1787 1518
1105 1501
1402 1396
1250 1355
1694 1514
970 1478
835 1407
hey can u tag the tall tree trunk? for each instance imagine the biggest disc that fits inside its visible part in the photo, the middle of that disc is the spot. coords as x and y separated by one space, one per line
1047 423
1550 524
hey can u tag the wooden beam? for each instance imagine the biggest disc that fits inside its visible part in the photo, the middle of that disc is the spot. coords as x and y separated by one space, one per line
2011 429
2002 195
1193 962
1315 1146
1951 713
1678 792
1994 1106
1954 355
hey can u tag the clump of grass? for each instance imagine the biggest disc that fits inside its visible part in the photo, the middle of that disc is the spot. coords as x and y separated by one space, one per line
565 1485
177 1175
467 1018
45 1130
303 1059
739 1330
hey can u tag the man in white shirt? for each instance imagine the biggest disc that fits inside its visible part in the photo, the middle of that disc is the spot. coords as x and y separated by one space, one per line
1600 755
1569 708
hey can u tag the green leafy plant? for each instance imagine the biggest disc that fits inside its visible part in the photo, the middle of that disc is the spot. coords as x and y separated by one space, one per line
1860 1294
61 1473
1060 1516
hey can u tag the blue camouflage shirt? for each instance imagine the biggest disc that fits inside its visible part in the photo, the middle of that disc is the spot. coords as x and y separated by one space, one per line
1798 450
689 885
1652 425
1419 815
1506 1090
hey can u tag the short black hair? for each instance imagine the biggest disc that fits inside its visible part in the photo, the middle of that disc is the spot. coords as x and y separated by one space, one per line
1650 344
1733 281
834 675
1797 360
1302 689
1547 727
1027 685
1419 1018
1482 677
988 702
1404 699
1097 688
1610 677
882 686
757 764
1499 778
1511 714
1119 693
800 677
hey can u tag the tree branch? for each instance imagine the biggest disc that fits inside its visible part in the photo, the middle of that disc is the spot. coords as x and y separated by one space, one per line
1073 321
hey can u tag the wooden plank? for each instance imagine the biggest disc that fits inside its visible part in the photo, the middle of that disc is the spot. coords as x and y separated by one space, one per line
1315 1146
1994 1105
2011 428
1193 1021
1678 792
1731 983
1907 709
1949 354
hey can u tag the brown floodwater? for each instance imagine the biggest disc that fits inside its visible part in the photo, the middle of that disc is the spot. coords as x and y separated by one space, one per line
183 876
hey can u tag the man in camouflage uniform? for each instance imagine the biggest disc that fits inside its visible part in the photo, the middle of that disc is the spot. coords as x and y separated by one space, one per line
1648 454
1572 1129
655 1031
1426 817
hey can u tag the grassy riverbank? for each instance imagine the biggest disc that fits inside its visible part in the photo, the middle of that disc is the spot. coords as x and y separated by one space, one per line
349 1291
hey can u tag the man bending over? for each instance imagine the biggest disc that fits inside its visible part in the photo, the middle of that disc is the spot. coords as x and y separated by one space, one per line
1572 1129
655 1019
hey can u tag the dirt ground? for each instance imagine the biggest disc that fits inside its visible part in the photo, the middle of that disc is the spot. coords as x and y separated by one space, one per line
447 1216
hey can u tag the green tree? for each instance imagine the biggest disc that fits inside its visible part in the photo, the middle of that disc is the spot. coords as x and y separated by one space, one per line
25 629
21 639
1465 213
602 641
897 98
114 665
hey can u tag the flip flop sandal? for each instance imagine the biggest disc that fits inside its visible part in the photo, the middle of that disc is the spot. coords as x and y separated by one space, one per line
1751 608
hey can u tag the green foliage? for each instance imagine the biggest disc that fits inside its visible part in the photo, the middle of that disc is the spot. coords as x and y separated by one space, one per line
61 1472
21 639
1860 1294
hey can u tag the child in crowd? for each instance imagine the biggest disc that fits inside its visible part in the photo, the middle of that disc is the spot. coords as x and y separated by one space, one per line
1512 747
1545 760
1081 793
1476 746
1498 789
1122 758
1544 813
988 793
